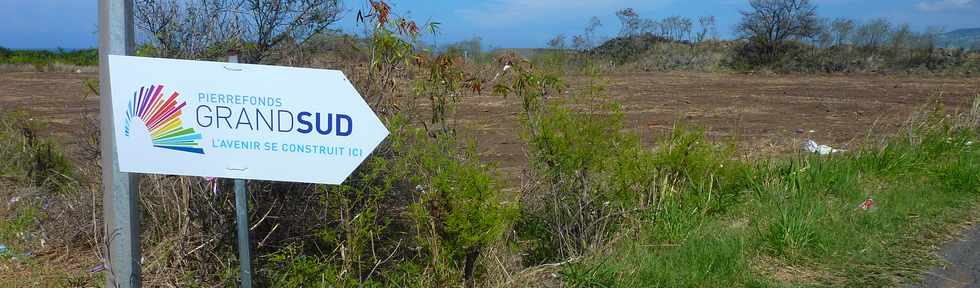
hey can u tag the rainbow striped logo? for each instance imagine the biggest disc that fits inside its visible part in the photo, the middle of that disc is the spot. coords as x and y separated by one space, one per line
162 119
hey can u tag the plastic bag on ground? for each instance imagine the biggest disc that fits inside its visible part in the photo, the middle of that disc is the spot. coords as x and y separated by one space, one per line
813 147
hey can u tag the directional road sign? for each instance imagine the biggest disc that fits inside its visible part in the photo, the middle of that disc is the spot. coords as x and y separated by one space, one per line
239 121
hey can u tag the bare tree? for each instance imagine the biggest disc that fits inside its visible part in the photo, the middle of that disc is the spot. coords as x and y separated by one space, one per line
629 21
684 28
841 29
558 42
770 23
821 33
707 24
183 29
927 41
652 27
676 28
187 28
874 34
587 39
590 29
901 37
271 22
580 43
825 39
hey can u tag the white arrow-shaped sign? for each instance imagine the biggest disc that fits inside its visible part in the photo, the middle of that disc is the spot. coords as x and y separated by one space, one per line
240 121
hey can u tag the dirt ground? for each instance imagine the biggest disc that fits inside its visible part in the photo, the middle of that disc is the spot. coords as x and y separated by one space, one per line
762 112
60 100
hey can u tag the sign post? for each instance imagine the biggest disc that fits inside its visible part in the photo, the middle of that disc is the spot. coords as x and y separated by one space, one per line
241 215
244 243
119 188
238 121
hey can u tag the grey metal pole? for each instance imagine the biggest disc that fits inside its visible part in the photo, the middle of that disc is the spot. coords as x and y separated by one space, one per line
244 242
241 216
116 37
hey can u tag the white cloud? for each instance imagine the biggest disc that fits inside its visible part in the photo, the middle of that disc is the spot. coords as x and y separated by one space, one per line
510 13
945 5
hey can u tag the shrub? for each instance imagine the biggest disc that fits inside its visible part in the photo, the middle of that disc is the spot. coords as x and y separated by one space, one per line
623 49
83 57
460 209
587 174
32 157
421 210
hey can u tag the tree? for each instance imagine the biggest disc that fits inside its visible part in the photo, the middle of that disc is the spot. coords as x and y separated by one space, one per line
770 23
188 28
826 38
707 24
901 37
821 37
676 28
652 27
841 29
579 43
558 42
629 21
587 39
471 48
874 34
272 22
590 29
183 30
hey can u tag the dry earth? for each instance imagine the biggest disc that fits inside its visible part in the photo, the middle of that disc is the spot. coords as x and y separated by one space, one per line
762 112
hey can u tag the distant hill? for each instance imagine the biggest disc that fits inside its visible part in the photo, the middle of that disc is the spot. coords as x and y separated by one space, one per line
523 52
962 38
625 48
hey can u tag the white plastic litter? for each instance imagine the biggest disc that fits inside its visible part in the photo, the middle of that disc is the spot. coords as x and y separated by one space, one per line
813 147
506 68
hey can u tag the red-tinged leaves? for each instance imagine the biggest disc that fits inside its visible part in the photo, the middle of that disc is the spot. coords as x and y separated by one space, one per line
476 85
381 10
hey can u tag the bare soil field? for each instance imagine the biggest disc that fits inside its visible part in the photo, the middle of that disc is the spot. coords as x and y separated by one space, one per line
57 99
763 113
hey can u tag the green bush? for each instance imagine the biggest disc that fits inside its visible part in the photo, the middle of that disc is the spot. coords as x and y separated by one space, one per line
83 57
459 205
590 175
30 157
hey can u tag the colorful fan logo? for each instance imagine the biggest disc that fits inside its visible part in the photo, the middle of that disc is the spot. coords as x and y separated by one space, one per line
162 119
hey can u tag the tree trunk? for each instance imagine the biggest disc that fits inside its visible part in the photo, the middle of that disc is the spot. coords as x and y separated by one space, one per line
469 267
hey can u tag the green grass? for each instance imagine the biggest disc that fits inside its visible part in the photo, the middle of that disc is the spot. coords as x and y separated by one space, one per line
33 170
83 57
794 221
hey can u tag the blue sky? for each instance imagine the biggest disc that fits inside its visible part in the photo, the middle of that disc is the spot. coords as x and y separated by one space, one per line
501 23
